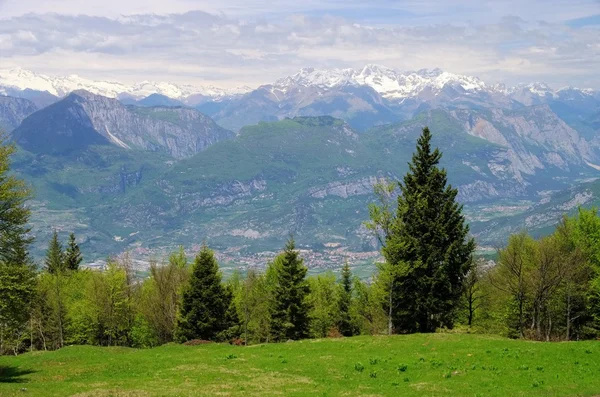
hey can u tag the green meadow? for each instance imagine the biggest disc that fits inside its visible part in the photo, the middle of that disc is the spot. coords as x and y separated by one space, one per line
402 365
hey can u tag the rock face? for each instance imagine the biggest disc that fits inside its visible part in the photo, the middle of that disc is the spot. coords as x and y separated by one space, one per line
83 119
13 111
344 189
535 138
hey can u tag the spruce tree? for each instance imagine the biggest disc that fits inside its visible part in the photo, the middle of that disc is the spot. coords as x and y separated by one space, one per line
55 257
429 241
205 302
345 325
14 215
73 257
17 273
289 318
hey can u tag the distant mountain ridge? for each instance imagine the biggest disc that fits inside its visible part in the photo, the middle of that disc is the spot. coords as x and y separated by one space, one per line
376 95
389 83
306 152
83 119
60 86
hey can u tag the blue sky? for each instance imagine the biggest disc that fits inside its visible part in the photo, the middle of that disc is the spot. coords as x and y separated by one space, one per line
235 42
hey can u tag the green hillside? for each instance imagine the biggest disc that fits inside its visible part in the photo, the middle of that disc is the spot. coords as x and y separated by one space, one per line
407 365
310 176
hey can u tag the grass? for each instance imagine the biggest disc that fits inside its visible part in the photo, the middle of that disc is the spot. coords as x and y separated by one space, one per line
413 365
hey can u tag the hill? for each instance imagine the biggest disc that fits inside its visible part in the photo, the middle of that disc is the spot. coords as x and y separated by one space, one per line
407 365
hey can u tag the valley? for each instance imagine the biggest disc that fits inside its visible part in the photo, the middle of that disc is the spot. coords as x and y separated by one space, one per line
146 168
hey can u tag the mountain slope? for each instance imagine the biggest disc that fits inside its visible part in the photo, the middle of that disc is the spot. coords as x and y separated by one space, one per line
13 111
361 107
311 176
93 119
159 100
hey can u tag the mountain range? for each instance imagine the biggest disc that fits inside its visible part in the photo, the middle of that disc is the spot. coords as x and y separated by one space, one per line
243 170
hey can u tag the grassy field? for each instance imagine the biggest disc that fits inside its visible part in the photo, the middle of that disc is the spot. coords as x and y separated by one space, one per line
414 365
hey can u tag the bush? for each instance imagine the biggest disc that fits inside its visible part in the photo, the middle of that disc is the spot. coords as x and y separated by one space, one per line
143 335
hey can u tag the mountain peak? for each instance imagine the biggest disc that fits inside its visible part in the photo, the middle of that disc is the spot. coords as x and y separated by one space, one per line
21 79
430 73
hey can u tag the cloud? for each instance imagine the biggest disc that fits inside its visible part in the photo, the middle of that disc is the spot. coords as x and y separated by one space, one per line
199 47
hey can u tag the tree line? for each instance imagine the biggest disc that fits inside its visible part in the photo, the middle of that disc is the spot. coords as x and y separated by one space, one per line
429 280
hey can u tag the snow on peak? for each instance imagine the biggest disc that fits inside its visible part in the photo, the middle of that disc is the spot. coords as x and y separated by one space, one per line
20 79
325 78
535 88
388 82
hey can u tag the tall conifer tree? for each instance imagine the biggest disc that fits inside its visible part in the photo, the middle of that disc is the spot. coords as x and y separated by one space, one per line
55 256
73 257
17 274
289 319
205 303
429 241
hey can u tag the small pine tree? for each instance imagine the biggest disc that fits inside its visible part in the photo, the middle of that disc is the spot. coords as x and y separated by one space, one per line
289 319
55 257
205 302
73 257
345 325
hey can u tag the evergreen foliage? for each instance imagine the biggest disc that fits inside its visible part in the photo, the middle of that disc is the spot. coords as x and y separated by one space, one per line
289 318
55 256
73 257
429 240
345 324
14 215
17 275
205 302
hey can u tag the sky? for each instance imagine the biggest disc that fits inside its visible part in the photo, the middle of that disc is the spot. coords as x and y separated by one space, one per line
230 43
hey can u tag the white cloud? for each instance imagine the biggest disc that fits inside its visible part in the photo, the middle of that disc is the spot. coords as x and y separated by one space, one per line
198 47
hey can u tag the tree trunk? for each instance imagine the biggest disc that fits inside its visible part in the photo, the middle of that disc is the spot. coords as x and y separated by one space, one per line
549 330
538 321
390 324
520 315
568 331
470 320
40 328
30 333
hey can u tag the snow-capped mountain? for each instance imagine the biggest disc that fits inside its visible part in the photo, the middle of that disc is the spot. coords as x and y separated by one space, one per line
21 79
376 95
364 97
394 85
389 83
